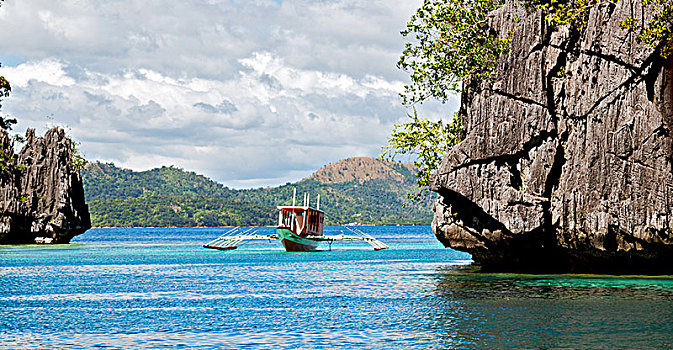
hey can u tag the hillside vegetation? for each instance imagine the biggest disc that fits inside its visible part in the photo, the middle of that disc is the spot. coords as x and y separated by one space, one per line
362 169
362 190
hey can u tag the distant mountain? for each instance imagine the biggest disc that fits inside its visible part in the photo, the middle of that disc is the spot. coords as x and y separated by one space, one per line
361 169
363 190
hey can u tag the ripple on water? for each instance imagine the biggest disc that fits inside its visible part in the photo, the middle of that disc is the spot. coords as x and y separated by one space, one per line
157 288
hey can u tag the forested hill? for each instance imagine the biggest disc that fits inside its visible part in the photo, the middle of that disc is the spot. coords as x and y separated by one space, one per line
164 196
362 169
109 182
363 190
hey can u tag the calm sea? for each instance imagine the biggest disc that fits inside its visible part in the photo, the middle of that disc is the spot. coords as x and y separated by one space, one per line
158 288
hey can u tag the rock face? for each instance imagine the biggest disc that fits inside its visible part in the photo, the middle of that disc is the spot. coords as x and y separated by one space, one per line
41 190
567 161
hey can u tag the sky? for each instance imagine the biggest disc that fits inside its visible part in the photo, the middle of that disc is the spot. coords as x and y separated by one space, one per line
250 93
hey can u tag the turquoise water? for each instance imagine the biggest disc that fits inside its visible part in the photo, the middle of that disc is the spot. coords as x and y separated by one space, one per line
157 288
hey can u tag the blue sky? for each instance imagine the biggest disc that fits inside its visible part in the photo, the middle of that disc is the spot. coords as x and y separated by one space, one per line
249 93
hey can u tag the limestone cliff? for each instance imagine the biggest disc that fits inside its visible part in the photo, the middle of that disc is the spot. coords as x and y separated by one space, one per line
41 190
566 164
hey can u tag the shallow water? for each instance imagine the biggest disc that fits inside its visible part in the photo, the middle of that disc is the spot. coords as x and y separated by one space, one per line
157 288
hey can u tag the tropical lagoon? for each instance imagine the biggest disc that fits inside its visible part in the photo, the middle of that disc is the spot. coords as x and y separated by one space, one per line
159 288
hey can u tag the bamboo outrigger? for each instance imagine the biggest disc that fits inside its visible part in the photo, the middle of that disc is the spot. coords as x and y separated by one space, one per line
300 228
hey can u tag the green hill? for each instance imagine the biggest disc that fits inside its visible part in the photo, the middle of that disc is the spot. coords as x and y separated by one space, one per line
363 190
165 196
106 181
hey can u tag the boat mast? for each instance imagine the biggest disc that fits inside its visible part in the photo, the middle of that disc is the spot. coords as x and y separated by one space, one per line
318 204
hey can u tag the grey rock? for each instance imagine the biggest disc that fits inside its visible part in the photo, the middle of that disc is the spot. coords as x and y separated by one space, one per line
41 190
567 160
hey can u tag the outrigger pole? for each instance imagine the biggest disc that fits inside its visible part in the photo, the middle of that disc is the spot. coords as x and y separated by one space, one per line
232 238
235 236
362 236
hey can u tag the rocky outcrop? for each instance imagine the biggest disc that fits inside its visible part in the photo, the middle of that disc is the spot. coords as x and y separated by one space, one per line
41 190
567 160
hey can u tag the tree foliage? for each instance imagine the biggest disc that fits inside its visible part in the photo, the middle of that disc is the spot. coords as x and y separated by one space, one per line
77 159
656 32
428 141
566 12
5 89
449 42
7 161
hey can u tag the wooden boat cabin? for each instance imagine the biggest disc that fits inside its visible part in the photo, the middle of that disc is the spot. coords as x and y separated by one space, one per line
302 221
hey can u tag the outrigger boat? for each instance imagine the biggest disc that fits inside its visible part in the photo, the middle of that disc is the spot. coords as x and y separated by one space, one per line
300 229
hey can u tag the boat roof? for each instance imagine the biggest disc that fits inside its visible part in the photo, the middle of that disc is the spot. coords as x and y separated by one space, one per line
297 209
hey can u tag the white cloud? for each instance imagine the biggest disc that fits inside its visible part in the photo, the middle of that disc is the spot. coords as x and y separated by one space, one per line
250 93
49 71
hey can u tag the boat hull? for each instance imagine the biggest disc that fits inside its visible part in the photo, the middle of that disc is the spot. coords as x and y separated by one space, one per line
294 243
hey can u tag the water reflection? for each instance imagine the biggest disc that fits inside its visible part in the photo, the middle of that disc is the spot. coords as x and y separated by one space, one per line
475 310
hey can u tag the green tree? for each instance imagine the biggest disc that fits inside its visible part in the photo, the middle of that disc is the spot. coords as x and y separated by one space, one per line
5 89
7 161
449 41
428 141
